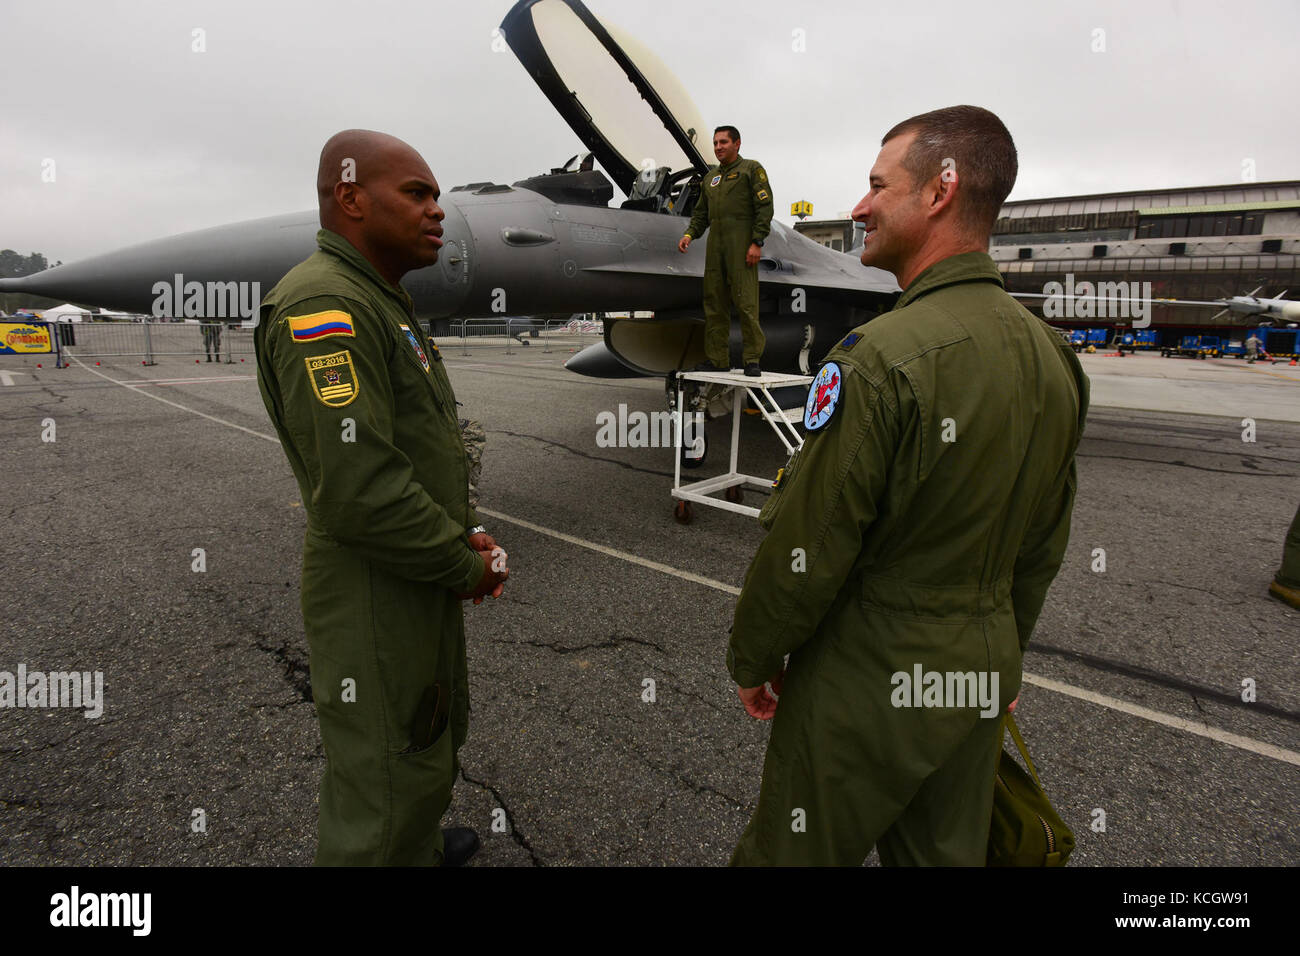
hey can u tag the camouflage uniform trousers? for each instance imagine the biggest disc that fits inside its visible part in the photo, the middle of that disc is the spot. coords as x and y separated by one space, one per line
472 434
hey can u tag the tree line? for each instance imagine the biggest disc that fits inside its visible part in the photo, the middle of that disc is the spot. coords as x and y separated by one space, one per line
14 265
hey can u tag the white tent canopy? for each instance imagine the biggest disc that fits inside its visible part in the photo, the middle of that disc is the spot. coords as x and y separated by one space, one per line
64 313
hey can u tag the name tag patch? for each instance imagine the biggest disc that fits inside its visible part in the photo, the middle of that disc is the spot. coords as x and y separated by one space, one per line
823 397
320 325
333 378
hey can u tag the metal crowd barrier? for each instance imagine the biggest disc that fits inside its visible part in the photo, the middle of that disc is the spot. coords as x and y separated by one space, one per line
229 342
522 332
215 341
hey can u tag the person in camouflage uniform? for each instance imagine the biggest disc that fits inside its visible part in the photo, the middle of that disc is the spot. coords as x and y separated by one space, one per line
475 439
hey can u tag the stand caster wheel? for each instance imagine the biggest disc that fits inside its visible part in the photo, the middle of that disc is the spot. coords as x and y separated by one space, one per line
683 512
734 493
698 448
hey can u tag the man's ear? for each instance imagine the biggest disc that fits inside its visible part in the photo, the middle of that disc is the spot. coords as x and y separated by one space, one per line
942 189
350 199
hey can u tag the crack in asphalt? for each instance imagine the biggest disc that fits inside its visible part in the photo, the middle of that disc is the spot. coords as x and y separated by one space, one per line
518 837
631 844
1182 464
1206 451
613 642
1193 587
296 671
583 454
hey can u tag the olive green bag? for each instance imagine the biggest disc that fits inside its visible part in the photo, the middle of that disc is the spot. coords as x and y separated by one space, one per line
1025 830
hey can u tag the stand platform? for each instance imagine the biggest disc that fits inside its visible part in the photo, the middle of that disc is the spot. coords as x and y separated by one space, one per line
732 484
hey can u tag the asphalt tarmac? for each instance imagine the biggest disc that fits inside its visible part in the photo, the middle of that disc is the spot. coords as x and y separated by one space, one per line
1132 704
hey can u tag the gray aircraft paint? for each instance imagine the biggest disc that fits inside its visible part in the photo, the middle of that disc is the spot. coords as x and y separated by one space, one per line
515 251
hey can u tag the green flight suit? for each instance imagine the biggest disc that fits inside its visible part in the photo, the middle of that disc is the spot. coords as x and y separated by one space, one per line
367 418
932 510
735 205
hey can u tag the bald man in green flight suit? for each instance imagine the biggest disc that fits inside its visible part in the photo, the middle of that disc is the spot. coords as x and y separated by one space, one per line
735 205
915 532
366 416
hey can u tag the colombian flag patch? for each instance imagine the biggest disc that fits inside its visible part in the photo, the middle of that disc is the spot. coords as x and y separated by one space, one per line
320 325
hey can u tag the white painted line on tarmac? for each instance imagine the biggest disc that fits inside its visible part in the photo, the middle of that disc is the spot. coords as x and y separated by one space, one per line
615 553
1200 729
1178 723
167 401
147 382
6 376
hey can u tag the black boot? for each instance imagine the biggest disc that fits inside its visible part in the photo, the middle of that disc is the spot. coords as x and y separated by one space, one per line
458 845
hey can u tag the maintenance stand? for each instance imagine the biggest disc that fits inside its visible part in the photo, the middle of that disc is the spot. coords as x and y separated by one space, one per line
732 484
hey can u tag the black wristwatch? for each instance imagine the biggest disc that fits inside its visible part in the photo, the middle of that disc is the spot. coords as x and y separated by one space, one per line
758 242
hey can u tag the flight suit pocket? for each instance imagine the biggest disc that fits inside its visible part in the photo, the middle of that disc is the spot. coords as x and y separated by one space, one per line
767 514
420 784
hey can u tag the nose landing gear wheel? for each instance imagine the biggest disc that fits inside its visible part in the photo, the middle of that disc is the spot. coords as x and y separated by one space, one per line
734 493
683 512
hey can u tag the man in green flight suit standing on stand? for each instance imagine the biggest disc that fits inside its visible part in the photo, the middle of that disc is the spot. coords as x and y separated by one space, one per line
735 205
912 539
366 416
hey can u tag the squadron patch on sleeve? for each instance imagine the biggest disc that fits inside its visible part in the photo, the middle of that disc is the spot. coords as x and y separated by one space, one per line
333 378
823 397
762 194
320 325
762 176
415 344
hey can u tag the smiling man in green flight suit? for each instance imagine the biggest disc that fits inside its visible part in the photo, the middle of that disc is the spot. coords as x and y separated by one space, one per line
366 416
735 205
915 533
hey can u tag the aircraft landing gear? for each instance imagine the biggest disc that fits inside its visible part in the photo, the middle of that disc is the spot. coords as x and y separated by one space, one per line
683 513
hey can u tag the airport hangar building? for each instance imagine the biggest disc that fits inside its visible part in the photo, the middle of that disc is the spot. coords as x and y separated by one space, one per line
1203 243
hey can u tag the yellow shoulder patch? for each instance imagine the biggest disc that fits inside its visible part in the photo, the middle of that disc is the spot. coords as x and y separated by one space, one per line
762 176
333 378
320 325
762 194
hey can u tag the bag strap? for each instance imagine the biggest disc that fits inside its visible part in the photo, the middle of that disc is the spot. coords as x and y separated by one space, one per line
1020 745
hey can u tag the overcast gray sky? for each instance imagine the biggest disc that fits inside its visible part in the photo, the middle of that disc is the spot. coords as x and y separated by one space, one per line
150 138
